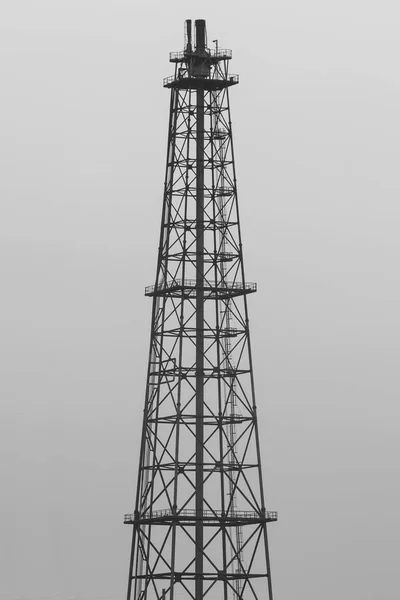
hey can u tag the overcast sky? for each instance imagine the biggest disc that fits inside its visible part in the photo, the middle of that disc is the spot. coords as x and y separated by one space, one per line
83 124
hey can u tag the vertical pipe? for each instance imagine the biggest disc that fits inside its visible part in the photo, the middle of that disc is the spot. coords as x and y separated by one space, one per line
189 35
200 25
199 341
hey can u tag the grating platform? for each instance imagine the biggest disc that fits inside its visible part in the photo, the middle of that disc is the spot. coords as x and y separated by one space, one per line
208 517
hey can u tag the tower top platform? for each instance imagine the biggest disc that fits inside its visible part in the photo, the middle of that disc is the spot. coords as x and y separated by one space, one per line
198 66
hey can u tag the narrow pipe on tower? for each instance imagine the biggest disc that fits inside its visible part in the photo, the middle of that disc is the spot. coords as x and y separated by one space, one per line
199 341
200 26
188 35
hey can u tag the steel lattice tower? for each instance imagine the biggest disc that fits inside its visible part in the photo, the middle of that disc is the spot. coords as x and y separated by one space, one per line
200 522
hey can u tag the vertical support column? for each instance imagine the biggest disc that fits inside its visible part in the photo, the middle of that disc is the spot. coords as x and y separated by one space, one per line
199 342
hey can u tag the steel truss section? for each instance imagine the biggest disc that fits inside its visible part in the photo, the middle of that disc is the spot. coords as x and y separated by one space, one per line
200 521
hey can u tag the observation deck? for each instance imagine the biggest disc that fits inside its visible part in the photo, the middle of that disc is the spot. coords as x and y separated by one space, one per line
207 517
194 83
189 287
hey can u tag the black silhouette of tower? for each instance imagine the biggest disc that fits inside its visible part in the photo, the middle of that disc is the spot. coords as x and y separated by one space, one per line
200 521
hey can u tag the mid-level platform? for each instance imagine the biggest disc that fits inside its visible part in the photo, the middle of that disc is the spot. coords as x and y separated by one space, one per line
207 517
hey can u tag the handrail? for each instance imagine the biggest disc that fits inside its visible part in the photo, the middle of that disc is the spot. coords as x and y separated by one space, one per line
205 514
192 284
230 78
214 53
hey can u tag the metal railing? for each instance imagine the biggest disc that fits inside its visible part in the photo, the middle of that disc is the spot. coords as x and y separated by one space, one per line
246 515
233 78
224 191
230 78
192 284
222 53
168 80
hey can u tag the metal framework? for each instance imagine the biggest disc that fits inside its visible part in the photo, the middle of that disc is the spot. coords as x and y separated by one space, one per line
200 521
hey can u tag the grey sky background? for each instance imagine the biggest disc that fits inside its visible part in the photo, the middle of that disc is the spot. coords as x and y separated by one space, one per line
83 137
